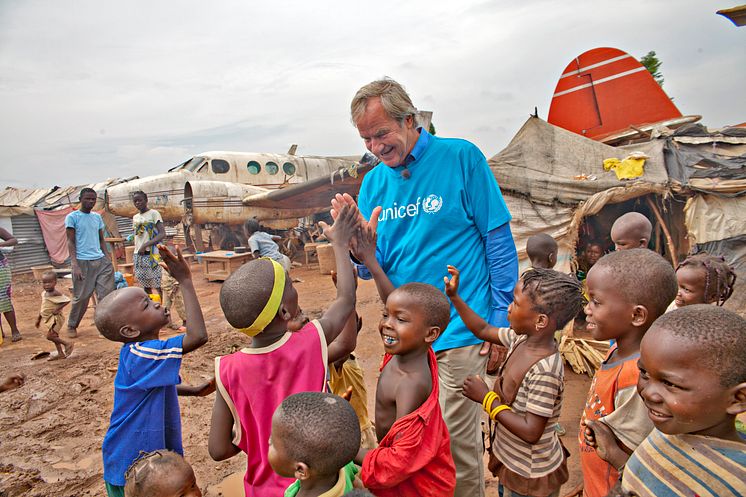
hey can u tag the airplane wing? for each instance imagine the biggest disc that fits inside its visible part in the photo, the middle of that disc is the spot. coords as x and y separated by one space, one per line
316 194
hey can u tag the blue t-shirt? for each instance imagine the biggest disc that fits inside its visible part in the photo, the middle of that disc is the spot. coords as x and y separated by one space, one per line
87 226
439 216
146 414
265 245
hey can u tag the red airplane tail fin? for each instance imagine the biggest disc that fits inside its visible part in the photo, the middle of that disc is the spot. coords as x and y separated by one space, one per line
605 91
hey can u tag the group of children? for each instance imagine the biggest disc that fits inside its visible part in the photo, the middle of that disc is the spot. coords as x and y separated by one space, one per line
660 414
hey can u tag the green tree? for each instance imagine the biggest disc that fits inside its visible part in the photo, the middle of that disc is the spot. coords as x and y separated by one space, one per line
432 129
653 64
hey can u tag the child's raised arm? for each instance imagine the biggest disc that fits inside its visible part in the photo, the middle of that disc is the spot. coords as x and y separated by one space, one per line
476 324
364 249
339 234
346 342
196 334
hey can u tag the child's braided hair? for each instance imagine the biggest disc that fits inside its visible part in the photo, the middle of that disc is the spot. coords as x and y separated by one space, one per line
140 475
558 295
719 276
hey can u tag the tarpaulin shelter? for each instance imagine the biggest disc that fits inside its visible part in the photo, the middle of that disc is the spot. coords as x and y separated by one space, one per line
17 216
553 181
36 219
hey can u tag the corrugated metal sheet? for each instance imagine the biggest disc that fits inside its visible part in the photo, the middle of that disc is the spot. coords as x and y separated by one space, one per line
124 224
30 250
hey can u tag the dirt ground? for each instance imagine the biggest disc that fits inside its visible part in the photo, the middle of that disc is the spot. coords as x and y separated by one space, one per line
53 426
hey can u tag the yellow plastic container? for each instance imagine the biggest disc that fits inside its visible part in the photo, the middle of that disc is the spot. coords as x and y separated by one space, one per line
155 297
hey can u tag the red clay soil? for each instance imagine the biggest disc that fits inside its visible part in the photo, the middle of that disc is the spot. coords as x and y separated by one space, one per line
52 427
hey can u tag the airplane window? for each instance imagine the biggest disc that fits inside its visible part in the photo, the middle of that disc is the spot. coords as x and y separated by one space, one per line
220 166
253 167
272 168
191 165
289 168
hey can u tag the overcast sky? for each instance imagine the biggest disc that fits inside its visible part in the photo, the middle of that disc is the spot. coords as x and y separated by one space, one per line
97 89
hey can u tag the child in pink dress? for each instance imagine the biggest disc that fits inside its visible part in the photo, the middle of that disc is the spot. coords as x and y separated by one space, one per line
286 356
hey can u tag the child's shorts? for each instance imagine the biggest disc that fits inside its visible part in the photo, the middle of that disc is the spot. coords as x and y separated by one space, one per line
114 490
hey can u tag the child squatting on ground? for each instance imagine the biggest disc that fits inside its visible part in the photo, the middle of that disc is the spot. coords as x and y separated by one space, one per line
161 473
314 438
527 455
286 355
146 415
50 315
628 289
414 455
703 279
693 382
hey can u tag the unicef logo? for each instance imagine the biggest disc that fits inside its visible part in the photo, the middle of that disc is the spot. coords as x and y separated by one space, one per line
432 204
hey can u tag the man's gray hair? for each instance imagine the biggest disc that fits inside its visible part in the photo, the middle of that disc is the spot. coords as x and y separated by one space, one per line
394 99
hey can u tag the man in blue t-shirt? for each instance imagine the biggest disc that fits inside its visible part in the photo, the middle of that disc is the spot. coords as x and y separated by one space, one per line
89 258
435 202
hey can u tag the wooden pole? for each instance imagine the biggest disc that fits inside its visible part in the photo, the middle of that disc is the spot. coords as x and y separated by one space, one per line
662 223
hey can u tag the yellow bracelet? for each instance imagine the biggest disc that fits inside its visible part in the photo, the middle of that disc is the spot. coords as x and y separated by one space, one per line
497 410
489 397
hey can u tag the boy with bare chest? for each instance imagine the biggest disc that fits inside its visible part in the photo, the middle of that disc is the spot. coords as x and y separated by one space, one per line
414 456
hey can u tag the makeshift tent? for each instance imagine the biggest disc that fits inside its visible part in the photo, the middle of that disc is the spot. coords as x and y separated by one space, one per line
554 182
17 216
21 211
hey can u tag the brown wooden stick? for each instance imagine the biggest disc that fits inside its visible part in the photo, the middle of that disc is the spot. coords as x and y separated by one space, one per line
669 239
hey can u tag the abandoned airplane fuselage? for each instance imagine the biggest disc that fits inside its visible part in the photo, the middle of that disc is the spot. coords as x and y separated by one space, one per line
210 187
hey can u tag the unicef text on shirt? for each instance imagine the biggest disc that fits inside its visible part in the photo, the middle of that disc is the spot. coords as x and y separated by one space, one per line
430 205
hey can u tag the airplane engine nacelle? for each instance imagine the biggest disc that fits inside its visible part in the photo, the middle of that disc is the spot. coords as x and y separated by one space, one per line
165 194
218 201
215 202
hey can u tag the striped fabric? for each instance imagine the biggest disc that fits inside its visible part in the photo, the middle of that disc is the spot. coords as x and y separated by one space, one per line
686 466
540 393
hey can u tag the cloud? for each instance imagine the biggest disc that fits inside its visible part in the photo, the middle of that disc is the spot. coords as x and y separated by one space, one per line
92 89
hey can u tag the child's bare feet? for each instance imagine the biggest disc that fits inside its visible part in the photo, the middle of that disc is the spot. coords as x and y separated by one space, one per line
72 332
69 349
56 357
16 337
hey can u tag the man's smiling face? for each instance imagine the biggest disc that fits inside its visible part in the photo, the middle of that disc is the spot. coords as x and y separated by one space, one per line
384 136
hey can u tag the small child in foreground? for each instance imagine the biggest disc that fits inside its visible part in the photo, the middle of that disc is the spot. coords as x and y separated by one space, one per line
314 438
527 397
414 453
693 383
146 415
161 473
52 303
703 279
631 230
286 355
628 290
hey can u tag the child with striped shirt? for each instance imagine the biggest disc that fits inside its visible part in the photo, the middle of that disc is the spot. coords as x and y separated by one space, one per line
693 383
525 403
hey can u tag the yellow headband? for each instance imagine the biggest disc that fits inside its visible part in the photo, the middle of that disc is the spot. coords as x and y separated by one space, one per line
273 304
